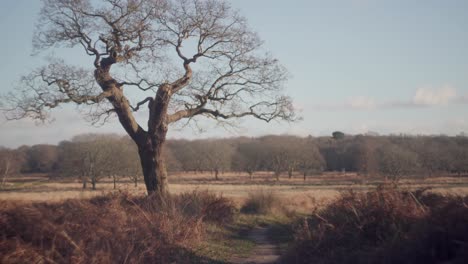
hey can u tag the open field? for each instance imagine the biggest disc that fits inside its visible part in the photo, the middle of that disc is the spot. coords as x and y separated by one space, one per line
296 191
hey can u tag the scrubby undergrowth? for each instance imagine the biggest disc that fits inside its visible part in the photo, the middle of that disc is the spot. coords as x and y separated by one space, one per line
115 228
263 202
385 226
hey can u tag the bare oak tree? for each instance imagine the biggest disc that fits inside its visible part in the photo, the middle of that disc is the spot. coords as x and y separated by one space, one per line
181 58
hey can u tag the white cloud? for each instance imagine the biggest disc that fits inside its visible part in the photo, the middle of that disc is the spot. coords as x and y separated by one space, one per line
434 97
423 97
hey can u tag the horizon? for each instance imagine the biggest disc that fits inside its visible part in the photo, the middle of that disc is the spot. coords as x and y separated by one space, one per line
122 135
356 66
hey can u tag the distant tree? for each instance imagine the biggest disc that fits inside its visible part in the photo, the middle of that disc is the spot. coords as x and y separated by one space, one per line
277 154
310 158
187 58
339 154
91 157
173 164
249 157
338 135
218 155
129 164
6 164
396 162
366 156
460 155
41 158
189 154
71 162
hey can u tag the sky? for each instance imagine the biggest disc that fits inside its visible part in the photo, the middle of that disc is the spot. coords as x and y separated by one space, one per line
357 66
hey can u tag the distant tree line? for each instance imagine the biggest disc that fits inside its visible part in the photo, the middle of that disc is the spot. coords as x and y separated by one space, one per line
91 157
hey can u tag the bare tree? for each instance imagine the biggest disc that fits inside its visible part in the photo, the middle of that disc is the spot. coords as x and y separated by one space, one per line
129 163
366 157
249 157
41 158
194 58
6 160
395 161
277 154
460 155
190 154
310 160
91 157
218 154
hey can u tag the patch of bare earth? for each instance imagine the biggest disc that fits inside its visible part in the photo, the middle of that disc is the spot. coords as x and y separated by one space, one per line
265 251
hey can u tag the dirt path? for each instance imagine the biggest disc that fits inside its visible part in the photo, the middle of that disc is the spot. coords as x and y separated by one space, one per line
265 252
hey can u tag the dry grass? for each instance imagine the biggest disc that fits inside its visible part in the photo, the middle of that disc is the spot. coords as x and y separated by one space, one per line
262 202
295 193
385 226
121 226
117 228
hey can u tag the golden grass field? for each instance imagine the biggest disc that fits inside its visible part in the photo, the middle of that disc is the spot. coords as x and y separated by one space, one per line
317 189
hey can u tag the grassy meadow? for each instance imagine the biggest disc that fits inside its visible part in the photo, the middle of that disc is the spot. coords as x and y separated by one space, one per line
237 186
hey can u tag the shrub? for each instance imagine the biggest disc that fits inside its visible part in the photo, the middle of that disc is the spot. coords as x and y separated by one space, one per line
211 207
384 226
115 228
261 202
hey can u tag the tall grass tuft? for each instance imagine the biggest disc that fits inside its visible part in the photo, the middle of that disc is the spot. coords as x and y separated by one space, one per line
261 202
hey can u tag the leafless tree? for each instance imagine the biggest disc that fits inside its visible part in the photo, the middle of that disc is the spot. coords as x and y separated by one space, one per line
129 163
395 161
41 158
366 157
459 155
277 154
310 160
185 58
249 157
6 160
218 155
70 163
91 157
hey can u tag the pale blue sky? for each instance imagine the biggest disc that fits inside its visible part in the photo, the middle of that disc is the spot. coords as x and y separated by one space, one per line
389 66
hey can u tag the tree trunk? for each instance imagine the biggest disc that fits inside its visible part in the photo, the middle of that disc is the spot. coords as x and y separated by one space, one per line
115 181
7 169
151 148
93 183
305 175
250 174
154 171
290 173
85 182
216 171
136 181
